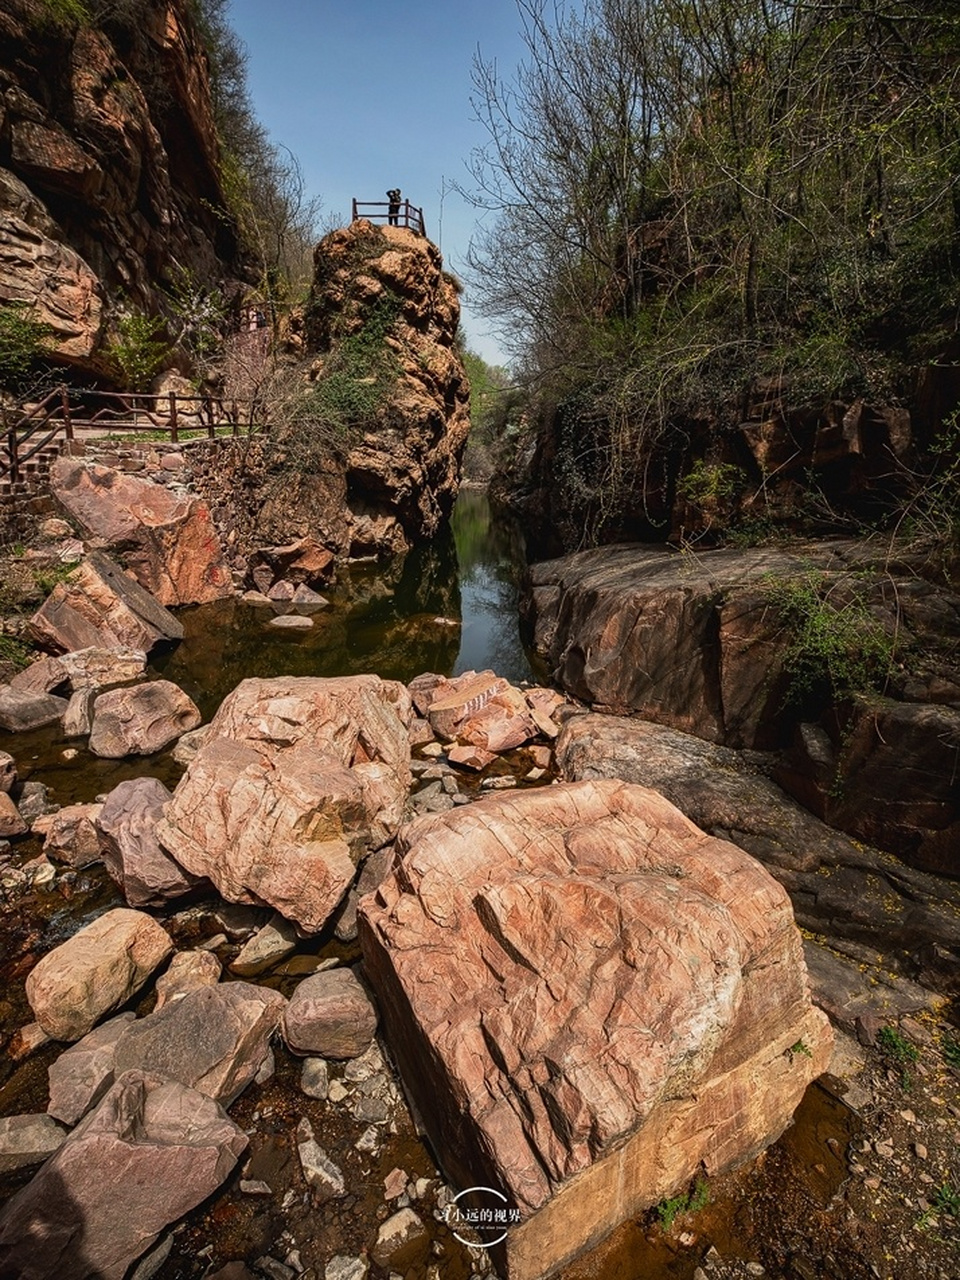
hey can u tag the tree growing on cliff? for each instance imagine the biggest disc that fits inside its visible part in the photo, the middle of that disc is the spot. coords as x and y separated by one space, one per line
690 194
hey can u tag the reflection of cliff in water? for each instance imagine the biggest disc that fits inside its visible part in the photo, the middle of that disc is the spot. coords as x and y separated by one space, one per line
396 618
491 556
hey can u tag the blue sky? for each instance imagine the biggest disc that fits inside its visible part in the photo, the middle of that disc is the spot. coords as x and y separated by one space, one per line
370 95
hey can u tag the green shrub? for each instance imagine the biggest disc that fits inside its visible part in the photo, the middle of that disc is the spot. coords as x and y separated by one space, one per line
15 652
710 483
359 373
64 13
23 344
836 642
688 1202
898 1052
137 352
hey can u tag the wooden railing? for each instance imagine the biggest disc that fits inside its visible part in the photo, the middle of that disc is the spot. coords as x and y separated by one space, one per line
66 414
405 214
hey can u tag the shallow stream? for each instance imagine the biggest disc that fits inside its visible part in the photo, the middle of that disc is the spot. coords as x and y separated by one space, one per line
446 607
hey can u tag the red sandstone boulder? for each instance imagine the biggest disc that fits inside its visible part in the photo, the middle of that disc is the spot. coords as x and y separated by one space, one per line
23 709
99 606
214 1039
297 780
95 971
127 832
70 834
330 1015
151 1151
82 1074
589 998
168 540
141 719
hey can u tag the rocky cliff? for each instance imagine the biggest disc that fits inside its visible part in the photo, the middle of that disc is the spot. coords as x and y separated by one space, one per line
367 435
403 465
109 165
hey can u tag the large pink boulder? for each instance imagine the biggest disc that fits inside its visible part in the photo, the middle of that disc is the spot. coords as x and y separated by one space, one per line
127 837
95 971
215 1038
98 606
296 781
589 999
141 719
151 1152
168 540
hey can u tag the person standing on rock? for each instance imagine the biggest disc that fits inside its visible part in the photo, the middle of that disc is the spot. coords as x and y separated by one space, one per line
393 212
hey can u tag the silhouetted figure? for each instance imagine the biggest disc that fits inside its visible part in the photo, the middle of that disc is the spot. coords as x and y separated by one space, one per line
393 212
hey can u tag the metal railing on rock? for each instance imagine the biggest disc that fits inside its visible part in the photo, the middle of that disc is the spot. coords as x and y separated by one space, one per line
403 214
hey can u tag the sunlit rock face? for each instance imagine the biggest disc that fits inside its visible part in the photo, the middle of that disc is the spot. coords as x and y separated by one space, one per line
111 175
403 465
589 999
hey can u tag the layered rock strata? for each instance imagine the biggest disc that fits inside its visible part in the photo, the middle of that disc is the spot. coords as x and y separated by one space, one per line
97 606
111 172
698 643
385 289
296 782
840 888
589 999
167 539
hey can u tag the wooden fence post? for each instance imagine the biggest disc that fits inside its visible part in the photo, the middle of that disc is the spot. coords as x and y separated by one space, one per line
65 406
12 446
173 417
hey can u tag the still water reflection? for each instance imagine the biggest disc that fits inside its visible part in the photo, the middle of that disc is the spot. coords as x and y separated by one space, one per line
450 605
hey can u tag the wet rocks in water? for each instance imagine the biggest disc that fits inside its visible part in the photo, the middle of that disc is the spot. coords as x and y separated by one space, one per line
95 971
168 539
71 834
323 1177
150 1152
82 1074
588 998
186 972
8 773
28 1140
35 801
305 562
268 946
141 720
401 1241
11 822
127 832
330 1015
22 709
214 1039
100 606
298 779
78 717
291 622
